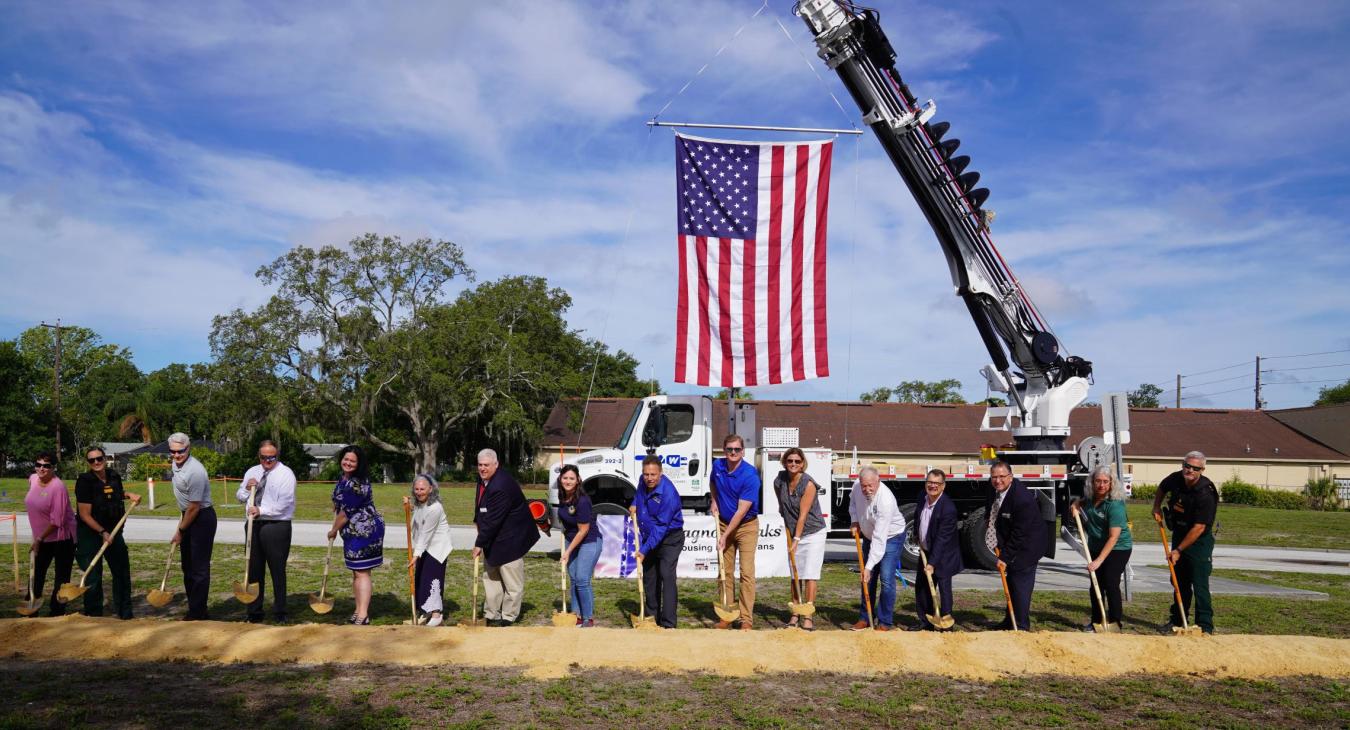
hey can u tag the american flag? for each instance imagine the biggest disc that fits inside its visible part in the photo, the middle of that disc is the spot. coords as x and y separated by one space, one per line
751 302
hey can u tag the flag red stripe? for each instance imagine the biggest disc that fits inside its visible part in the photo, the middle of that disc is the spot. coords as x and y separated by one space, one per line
775 261
822 203
682 313
798 220
701 252
748 311
724 295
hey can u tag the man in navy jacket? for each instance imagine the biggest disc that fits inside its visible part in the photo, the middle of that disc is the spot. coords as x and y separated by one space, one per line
1017 530
937 536
656 506
506 531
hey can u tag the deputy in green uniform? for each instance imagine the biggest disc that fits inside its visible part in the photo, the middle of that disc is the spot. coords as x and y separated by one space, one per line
98 499
1192 501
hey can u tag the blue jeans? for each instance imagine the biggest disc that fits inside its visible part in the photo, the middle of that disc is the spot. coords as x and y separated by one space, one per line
580 568
885 570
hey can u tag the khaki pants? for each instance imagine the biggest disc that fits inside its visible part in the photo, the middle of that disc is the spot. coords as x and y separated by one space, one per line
745 540
503 590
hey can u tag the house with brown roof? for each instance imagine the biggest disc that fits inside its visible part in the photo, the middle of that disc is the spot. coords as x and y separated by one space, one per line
1255 445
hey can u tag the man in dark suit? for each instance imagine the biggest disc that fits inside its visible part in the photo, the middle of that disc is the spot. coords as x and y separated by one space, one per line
506 531
1016 529
938 537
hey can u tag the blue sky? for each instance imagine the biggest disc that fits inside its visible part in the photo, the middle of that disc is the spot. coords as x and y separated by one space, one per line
1170 178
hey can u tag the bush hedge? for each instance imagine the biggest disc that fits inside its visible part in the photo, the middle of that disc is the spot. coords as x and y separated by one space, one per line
1236 491
1322 494
1144 491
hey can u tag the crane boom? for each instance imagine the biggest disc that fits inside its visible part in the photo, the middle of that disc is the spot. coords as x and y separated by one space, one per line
1043 384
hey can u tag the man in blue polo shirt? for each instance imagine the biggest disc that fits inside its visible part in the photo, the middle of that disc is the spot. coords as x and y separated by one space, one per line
735 504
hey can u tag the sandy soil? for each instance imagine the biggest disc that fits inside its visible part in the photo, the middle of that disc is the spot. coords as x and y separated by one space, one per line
552 652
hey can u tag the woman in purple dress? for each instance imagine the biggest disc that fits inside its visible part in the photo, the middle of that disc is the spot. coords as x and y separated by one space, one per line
362 528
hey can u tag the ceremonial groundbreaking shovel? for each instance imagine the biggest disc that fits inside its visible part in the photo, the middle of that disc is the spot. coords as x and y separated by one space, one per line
942 622
862 574
70 590
641 620
1105 627
1184 628
564 619
798 606
724 611
247 592
1003 575
34 602
322 602
159 598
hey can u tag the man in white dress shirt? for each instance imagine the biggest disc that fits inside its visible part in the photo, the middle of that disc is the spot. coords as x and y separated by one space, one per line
273 485
876 516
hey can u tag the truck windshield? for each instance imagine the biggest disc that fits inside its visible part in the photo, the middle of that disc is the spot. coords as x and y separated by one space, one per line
628 431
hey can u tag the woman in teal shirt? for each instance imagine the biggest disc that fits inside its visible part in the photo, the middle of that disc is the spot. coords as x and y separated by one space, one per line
1108 536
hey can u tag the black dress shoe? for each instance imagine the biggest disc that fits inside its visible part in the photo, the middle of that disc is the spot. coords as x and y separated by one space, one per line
917 627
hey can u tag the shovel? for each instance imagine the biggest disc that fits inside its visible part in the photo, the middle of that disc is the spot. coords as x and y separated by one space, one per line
1003 575
724 612
322 602
34 602
642 620
1105 627
1184 628
412 584
71 591
942 622
862 575
564 619
796 606
473 615
159 598
247 592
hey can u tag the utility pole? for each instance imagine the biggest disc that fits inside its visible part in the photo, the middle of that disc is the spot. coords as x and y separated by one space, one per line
1258 382
1178 390
56 384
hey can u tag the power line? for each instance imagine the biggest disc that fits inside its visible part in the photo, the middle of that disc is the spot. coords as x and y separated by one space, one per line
1221 380
1303 382
1215 370
1309 367
1306 354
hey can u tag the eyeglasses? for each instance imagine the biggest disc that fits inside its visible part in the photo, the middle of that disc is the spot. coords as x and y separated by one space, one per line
1192 467
934 484
176 452
41 465
733 449
793 461
94 460
268 459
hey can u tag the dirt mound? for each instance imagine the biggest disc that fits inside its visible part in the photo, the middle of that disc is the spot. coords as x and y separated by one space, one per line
550 652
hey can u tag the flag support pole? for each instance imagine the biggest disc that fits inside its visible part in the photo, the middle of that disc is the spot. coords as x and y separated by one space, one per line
756 127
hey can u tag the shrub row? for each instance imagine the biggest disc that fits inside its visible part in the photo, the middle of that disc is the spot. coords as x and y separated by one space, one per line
1318 494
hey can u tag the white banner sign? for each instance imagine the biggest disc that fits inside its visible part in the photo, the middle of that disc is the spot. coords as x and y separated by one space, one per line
698 559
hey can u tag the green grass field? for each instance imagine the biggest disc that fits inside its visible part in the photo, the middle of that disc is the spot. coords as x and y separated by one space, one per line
837 603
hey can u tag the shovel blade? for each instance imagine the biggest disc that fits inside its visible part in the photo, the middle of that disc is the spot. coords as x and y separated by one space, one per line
802 610
158 599
727 613
28 608
643 623
564 620
1188 631
246 593
320 605
942 622
69 592
1106 628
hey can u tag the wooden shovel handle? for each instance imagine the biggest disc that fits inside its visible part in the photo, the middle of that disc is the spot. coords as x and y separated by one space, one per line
327 559
412 584
1096 590
111 536
862 574
168 560
637 543
248 532
1003 576
1176 585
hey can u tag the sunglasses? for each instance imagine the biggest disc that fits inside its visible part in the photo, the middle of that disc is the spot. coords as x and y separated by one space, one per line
95 460
733 449
793 461
176 452
1190 467
41 465
268 459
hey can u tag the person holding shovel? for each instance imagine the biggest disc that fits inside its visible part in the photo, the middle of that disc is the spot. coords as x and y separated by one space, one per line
1017 533
735 505
431 546
805 524
273 487
196 533
362 527
581 542
1192 502
656 507
1109 542
98 498
53 526
939 539
506 532
876 516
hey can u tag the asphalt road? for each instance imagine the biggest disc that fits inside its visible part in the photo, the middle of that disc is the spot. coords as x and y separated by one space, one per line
1063 573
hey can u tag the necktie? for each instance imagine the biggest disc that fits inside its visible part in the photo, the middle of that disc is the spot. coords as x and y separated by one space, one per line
258 490
990 536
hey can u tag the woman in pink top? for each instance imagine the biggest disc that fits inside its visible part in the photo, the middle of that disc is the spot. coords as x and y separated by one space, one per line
52 521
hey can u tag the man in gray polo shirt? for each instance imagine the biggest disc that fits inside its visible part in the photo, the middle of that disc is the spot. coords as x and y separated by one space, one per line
196 534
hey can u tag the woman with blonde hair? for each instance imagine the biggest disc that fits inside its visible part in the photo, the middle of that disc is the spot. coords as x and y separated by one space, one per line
804 523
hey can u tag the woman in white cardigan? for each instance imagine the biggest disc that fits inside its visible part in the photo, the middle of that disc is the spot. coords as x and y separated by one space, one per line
431 547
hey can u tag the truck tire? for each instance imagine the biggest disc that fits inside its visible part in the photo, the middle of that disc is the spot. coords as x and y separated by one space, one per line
909 552
973 550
